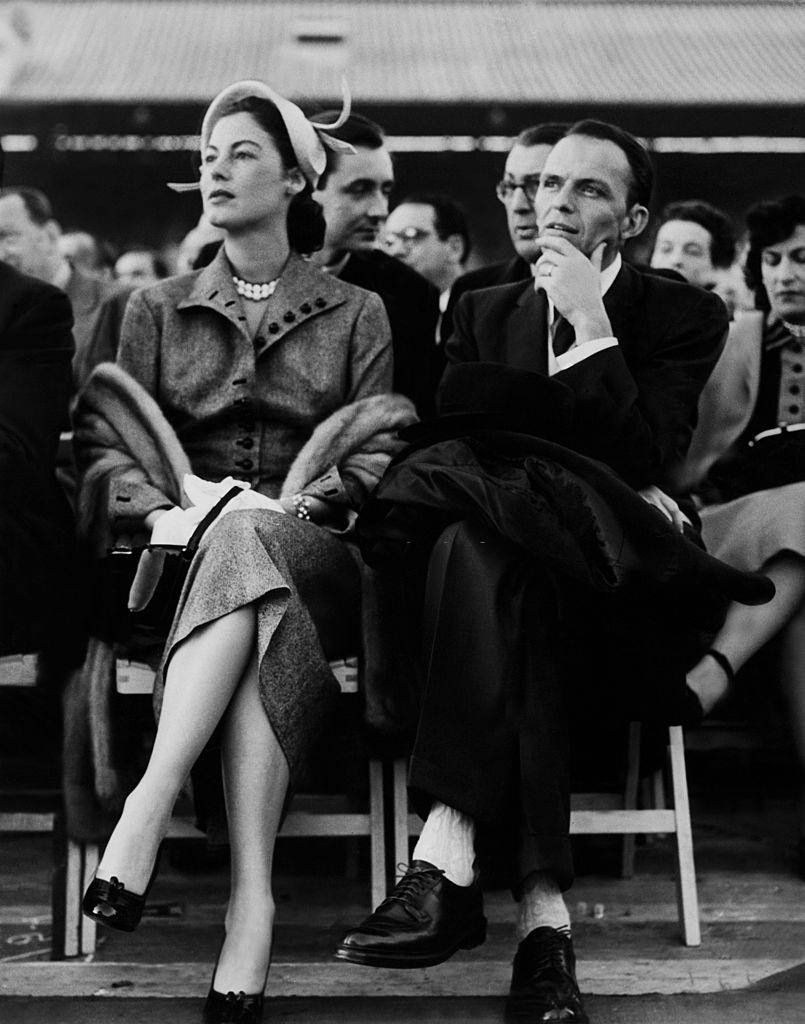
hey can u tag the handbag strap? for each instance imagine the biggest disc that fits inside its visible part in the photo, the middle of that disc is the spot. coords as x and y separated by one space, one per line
190 548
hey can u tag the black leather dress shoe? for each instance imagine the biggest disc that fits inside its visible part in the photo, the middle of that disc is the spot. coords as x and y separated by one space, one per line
544 986
422 923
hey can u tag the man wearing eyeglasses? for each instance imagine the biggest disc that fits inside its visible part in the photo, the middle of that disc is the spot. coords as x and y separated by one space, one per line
516 191
429 232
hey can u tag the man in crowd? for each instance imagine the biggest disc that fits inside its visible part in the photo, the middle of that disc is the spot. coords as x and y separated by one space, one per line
429 232
139 268
516 190
611 362
29 242
354 193
36 527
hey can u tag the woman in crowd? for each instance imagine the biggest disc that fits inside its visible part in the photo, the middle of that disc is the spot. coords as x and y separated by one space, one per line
696 240
753 410
246 358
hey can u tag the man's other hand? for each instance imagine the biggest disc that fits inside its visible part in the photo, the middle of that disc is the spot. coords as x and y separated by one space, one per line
666 504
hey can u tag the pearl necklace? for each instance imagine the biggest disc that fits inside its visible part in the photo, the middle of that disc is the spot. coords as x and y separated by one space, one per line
255 292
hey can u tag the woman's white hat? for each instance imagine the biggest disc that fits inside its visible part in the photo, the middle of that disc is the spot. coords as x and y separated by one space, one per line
308 138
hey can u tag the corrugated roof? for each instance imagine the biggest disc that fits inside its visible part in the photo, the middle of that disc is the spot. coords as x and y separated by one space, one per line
674 53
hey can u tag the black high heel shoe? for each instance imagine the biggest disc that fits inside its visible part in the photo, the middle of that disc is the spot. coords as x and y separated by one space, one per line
112 904
233 1007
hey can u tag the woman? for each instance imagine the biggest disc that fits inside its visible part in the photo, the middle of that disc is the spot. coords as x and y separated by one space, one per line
755 393
696 240
246 358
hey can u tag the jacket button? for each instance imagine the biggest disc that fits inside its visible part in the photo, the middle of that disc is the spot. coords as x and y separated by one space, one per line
245 442
246 464
289 317
321 303
273 328
259 341
306 308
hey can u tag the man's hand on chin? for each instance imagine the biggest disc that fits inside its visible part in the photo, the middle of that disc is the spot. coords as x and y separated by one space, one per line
573 284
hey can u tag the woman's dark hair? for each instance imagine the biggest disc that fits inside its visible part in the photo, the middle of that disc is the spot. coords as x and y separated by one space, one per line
305 216
636 154
768 223
715 223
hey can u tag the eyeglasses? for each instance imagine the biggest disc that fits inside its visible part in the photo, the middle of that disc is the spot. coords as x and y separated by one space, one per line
407 238
506 188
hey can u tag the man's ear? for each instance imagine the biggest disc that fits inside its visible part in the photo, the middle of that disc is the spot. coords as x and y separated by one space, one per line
455 246
634 222
295 182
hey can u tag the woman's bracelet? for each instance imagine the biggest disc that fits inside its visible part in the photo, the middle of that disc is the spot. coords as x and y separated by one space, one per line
301 506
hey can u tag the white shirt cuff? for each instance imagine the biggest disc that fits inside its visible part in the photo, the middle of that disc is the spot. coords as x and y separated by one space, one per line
577 353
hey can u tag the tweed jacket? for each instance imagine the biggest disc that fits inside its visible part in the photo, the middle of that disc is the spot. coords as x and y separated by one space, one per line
245 408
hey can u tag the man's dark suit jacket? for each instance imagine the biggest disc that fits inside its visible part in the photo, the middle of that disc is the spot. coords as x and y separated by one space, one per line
412 306
516 269
36 532
633 405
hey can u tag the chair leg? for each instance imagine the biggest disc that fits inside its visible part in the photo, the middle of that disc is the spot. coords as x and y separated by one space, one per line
400 804
377 827
630 797
87 927
687 897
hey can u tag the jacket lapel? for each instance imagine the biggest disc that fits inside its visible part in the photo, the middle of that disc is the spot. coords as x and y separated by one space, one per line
619 305
526 332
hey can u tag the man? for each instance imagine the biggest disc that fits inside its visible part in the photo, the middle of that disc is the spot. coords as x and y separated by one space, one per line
616 360
139 268
516 190
29 242
429 232
354 194
36 527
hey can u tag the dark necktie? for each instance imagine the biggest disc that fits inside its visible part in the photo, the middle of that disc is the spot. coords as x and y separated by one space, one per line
563 335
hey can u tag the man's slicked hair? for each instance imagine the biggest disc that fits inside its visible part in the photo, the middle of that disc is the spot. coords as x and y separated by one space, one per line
547 134
636 154
357 130
36 203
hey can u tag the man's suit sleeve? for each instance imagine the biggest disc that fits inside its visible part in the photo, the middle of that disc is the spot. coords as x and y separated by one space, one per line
640 420
36 351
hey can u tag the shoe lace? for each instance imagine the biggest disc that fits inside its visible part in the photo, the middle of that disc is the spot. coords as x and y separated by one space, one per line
553 955
414 883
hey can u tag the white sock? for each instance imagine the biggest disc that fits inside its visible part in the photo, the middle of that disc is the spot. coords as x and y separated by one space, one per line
448 842
542 905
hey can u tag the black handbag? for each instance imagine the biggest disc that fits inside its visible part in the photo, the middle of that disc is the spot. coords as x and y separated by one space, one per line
149 624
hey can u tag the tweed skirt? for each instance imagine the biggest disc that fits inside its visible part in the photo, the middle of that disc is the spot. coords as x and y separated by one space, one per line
305 585
748 531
